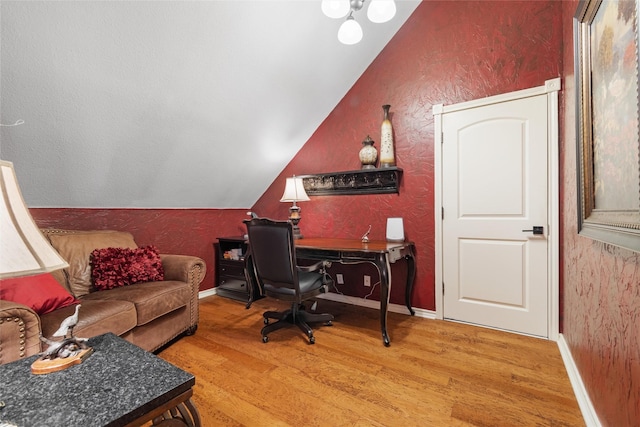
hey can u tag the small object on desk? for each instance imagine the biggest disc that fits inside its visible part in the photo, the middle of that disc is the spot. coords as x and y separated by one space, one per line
395 230
365 237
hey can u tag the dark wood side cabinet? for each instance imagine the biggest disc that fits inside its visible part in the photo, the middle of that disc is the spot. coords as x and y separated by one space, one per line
230 278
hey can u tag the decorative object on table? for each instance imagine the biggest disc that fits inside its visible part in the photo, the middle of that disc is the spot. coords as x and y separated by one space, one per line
368 154
294 192
350 31
395 230
387 156
365 236
62 354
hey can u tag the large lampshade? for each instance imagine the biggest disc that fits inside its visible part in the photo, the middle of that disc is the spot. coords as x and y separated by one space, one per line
23 248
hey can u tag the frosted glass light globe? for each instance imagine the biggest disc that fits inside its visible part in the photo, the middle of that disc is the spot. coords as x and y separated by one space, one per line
335 8
350 31
380 11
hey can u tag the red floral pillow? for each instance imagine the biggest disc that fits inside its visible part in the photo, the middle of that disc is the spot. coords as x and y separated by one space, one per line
42 293
115 267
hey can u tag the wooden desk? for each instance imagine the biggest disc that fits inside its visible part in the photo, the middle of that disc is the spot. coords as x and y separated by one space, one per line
353 251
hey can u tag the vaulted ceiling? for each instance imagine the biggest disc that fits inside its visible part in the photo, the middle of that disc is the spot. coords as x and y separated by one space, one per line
185 104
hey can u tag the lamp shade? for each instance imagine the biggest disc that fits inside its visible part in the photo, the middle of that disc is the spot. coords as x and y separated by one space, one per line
23 248
380 11
350 31
294 191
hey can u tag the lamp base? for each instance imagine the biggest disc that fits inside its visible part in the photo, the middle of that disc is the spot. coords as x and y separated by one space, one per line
294 218
296 232
46 366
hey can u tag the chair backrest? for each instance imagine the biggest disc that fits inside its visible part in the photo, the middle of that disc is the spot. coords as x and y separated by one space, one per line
271 248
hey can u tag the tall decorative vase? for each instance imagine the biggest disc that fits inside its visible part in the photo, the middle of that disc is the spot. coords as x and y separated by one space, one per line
387 157
368 154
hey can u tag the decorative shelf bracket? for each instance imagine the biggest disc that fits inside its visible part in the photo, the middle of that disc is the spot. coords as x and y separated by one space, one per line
364 181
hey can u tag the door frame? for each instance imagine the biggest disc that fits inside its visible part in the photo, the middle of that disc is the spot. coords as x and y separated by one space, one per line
551 89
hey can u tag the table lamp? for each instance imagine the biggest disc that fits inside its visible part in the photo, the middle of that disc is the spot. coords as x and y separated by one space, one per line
294 192
24 251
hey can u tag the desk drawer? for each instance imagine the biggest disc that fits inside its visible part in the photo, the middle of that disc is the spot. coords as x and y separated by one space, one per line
318 254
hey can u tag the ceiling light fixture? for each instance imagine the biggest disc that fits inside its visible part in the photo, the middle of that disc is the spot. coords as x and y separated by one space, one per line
350 31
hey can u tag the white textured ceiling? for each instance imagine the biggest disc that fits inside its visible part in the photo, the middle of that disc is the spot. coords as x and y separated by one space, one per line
169 104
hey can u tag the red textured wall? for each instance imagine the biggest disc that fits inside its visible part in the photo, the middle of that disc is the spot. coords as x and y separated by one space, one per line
447 52
601 287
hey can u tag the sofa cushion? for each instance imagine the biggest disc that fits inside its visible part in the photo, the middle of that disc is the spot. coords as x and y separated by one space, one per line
115 267
76 247
42 293
151 299
94 318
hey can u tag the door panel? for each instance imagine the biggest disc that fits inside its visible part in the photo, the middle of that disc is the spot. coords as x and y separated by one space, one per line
494 186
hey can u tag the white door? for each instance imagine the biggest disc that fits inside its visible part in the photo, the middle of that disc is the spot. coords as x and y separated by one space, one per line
494 192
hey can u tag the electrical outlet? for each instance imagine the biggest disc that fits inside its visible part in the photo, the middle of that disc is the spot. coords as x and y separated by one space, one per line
367 281
340 279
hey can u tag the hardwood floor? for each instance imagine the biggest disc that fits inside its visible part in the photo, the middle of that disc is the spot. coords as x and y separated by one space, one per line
435 373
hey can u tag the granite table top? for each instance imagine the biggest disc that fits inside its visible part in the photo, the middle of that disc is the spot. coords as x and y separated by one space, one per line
117 384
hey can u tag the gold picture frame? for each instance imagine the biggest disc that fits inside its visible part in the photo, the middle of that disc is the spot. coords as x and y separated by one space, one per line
606 64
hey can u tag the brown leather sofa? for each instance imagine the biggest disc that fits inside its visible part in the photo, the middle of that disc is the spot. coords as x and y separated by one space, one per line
147 314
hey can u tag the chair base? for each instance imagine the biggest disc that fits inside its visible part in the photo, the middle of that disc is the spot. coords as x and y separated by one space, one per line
302 318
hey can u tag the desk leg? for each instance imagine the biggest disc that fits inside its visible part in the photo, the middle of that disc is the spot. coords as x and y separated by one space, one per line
382 262
411 276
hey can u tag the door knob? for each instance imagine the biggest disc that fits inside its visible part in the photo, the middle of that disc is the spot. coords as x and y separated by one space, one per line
537 229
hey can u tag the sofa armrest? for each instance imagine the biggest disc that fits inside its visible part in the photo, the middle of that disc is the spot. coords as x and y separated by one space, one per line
183 268
187 269
19 332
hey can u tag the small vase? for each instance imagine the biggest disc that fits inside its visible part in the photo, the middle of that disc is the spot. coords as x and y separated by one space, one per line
368 154
387 157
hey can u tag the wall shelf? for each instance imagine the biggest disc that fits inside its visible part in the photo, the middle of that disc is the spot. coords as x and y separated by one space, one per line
363 181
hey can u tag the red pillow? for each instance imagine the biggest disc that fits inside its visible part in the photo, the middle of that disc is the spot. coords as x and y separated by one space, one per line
42 293
115 267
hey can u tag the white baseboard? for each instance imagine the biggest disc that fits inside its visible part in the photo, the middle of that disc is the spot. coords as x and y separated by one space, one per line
207 293
586 407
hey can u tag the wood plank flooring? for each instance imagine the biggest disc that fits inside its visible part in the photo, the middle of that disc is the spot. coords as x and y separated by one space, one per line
435 373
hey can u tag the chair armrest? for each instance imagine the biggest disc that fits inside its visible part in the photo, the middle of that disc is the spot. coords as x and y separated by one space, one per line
183 268
19 332
320 265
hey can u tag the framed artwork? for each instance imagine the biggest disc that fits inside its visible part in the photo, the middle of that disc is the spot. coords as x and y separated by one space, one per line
606 62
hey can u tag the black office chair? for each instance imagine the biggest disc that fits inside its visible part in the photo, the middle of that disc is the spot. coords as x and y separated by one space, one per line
273 257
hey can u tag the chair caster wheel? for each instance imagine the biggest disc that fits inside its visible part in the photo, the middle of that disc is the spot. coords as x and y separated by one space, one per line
265 339
329 323
312 340
266 321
